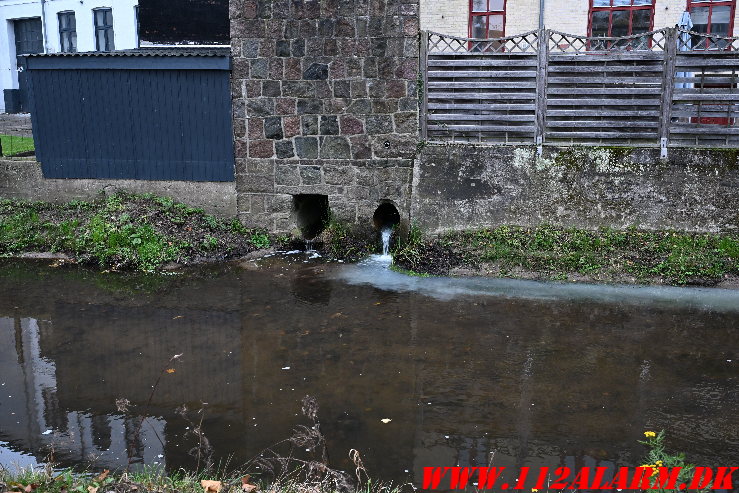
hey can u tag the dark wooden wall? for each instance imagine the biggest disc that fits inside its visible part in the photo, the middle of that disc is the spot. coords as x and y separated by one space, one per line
132 117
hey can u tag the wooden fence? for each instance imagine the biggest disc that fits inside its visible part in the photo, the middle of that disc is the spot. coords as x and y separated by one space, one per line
663 88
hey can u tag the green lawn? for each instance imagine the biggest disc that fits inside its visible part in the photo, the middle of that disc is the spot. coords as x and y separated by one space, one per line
13 144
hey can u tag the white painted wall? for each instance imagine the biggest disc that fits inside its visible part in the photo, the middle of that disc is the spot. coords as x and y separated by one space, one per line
124 29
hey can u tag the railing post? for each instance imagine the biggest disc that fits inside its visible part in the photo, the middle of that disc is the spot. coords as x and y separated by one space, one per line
424 82
542 67
668 89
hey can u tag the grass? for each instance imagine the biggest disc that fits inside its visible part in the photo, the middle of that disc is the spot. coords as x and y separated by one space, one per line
551 252
124 232
46 480
14 144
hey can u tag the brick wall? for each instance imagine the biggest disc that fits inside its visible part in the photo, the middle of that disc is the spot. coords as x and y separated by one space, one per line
571 16
324 101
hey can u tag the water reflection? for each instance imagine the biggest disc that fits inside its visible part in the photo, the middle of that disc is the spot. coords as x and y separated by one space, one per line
571 381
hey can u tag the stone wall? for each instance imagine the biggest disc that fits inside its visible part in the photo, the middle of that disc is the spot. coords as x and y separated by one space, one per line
324 102
466 186
24 180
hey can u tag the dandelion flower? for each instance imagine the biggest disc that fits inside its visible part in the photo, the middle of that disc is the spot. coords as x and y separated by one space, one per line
650 434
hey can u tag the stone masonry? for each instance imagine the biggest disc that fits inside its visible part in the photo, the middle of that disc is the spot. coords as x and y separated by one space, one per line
324 102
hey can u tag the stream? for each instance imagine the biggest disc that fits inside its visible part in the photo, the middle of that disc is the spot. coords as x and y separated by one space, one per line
411 372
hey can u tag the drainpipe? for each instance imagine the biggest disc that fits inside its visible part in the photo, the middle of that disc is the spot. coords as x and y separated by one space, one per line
43 24
541 14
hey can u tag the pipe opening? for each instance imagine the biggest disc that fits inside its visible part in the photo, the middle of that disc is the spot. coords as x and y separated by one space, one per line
386 216
312 214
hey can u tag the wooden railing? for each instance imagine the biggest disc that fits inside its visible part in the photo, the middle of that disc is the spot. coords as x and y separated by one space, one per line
663 88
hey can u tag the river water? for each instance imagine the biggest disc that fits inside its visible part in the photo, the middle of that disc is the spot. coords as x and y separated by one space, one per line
411 372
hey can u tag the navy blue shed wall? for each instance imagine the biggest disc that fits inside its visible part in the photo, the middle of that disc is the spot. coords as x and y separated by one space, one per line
132 117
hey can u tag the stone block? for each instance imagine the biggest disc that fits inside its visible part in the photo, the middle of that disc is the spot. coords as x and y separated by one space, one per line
310 106
284 149
335 148
379 124
261 149
406 123
351 125
310 124
259 68
316 71
310 175
287 175
273 128
338 175
260 107
306 147
329 125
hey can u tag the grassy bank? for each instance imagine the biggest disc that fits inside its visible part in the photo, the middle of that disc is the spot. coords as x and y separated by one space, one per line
124 231
47 480
14 144
547 252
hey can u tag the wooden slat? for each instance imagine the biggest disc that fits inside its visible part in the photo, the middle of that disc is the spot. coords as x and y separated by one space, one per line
698 96
482 85
609 68
611 57
457 74
605 90
706 129
603 102
484 128
482 62
601 124
589 113
481 95
602 135
488 107
467 117
603 80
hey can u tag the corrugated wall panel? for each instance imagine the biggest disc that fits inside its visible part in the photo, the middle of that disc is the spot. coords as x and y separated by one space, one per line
171 124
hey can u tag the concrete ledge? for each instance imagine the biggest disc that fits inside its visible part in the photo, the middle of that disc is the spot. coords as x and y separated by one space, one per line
467 186
24 180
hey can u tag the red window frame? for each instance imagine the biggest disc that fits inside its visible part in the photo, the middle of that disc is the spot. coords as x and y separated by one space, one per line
487 14
612 8
711 5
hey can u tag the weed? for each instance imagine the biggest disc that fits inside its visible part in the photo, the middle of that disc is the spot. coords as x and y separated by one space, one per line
260 239
658 457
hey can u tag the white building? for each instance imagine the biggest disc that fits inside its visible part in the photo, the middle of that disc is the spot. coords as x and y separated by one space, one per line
56 26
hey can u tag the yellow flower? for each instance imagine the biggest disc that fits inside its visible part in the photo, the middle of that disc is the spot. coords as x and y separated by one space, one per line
659 463
650 434
534 490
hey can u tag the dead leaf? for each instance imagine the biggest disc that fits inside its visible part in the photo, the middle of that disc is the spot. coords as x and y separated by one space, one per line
29 488
246 486
92 489
178 316
378 303
170 370
102 476
211 486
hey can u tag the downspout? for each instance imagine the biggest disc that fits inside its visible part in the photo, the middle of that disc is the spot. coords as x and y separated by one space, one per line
43 24
541 14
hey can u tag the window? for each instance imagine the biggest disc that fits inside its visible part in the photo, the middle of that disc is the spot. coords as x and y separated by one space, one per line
487 19
616 18
67 32
711 17
103 29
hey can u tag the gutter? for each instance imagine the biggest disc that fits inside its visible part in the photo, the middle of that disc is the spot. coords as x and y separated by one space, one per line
43 25
541 14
